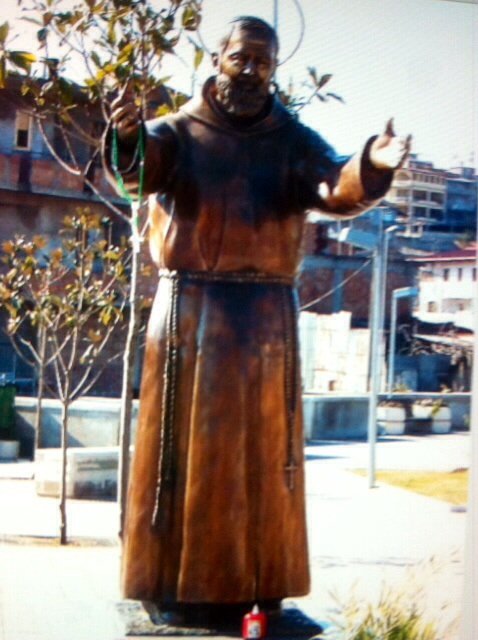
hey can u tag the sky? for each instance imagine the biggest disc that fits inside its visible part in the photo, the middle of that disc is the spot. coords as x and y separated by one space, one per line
415 60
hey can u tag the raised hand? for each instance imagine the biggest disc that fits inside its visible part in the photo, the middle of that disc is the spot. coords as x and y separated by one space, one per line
126 117
389 151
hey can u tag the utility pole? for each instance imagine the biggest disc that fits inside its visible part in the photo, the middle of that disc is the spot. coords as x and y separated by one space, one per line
376 321
374 242
275 15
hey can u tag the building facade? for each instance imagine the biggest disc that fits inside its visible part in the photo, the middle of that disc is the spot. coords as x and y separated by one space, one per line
36 194
418 191
435 199
461 200
447 289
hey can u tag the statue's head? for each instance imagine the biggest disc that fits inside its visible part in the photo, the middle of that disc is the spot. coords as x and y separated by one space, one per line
245 65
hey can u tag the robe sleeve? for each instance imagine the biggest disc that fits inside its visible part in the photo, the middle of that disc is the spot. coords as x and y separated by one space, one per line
339 186
161 151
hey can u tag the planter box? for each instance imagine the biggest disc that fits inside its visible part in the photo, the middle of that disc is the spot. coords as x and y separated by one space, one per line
90 472
9 450
441 420
422 412
392 420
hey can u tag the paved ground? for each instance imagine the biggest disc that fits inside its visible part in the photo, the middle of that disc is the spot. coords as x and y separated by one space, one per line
358 536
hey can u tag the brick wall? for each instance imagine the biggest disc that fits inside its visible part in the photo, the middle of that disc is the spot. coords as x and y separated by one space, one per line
324 271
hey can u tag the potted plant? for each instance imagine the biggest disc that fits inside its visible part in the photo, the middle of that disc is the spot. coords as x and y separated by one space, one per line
391 417
435 410
9 446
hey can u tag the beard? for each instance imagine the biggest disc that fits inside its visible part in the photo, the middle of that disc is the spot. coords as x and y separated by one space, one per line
239 97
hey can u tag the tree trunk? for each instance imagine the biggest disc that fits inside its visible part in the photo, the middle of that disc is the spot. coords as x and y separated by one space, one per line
127 391
64 459
40 389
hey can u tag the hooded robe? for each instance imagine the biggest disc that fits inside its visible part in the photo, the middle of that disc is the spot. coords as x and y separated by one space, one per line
215 509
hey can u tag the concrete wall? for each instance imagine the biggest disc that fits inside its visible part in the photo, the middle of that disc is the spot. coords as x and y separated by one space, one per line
94 422
335 417
338 417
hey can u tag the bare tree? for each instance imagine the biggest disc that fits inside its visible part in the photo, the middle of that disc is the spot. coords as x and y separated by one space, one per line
74 295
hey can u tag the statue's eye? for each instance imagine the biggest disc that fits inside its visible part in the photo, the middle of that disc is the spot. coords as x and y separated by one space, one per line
237 57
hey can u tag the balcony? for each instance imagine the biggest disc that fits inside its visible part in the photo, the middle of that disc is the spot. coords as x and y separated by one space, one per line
440 290
399 199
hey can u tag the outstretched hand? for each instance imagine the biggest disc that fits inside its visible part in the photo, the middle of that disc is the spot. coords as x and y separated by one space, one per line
389 151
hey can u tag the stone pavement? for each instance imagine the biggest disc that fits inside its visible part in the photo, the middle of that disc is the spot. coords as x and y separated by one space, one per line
357 536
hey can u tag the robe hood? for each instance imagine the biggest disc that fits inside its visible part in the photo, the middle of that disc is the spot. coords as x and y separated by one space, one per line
204 110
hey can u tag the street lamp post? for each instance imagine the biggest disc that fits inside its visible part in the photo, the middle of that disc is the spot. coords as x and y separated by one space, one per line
275 17
375 243
378 243
376 322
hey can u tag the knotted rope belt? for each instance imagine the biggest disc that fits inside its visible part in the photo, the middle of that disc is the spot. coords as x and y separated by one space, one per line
165 475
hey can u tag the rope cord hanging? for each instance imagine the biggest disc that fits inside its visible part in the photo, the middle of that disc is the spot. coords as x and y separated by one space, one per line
135 203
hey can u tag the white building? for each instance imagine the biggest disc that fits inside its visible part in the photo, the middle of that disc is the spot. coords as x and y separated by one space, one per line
419 191
447 288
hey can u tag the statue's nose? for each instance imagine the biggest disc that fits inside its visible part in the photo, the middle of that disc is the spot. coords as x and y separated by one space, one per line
249 68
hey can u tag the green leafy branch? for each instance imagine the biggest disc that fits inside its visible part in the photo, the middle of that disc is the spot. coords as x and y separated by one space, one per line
315 84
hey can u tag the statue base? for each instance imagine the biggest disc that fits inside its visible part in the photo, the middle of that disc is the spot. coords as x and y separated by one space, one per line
144 619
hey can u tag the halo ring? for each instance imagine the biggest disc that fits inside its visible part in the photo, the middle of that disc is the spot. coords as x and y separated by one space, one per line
289 56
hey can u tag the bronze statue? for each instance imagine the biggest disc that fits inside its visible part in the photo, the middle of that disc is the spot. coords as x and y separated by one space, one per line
216 501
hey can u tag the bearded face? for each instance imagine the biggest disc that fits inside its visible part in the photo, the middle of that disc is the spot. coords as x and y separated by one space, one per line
241 97
245 70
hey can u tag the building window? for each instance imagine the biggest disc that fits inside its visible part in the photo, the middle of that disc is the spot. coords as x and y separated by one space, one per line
419 195
420 212
474 274
436 197
459 273
432 307
446 274
23 127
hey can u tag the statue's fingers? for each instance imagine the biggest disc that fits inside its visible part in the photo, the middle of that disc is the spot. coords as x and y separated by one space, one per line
389 128
127 91
125 96
405 151
118 115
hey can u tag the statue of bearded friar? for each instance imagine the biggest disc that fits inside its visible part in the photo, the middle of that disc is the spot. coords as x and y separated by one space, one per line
216 516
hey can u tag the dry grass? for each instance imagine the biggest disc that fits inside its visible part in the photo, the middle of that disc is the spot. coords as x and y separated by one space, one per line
399 612
450 486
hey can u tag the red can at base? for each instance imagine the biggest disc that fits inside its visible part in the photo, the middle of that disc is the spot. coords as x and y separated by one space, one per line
254 624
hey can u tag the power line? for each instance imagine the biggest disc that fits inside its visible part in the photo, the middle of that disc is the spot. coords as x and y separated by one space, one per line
339 286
